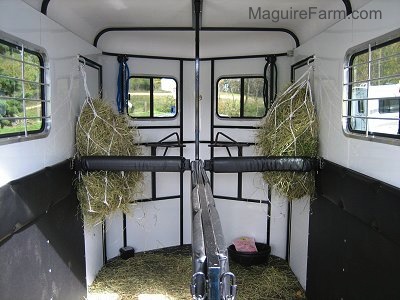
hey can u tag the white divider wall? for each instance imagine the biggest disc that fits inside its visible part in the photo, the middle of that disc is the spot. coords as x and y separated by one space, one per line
155 224
373 159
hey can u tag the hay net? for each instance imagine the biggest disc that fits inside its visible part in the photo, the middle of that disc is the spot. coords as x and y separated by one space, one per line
290 129
100 131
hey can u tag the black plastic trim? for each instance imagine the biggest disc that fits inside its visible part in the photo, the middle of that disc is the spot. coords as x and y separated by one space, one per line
45 5
255 29
349 9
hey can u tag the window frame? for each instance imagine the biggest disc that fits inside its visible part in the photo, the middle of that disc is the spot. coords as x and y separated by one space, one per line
44 83
351 54
241 109
152 117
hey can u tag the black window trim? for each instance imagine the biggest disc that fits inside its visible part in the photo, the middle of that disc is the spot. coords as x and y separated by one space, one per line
152 117
241 112
44 130
351 54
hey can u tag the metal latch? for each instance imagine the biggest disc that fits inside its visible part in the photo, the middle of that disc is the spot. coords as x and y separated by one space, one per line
198 286
228 286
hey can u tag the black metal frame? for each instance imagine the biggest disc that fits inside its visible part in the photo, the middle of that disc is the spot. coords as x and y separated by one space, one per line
241 108
240 153
152 117
246 29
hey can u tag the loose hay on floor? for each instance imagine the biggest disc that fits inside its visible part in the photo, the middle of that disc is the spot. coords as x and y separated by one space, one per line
168 272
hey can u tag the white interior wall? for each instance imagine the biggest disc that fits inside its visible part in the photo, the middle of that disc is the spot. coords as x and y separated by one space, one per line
20 159
150 225
380 161
62 46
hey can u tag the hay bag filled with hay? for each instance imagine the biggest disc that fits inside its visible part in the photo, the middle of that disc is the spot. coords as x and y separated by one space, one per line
290 129
102 132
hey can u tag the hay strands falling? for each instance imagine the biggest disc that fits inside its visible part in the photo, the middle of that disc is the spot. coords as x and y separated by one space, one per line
291 129
102 132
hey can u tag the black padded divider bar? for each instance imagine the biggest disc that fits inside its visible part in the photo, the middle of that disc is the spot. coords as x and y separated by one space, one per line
261 164
133 163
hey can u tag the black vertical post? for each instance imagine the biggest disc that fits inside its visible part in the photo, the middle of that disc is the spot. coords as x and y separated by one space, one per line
197 10
240 176
153 176
103 233
212 121
272 60
289 230
180 99
124 229
269 216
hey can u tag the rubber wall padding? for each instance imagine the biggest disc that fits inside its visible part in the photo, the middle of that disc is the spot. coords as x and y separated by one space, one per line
260 164
46 260
23 200
354 234
133 163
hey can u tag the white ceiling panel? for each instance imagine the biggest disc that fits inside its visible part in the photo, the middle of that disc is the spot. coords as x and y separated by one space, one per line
88 17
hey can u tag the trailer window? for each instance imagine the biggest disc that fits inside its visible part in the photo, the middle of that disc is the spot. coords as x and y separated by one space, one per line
240 97
152 97
372 90
23 111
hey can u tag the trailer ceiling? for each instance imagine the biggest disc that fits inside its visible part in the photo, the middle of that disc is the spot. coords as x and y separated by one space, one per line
88 18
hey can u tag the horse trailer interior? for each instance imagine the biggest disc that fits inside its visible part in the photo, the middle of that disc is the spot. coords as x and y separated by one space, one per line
199 149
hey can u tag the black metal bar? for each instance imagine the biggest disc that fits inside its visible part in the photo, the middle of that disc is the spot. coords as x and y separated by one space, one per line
98 67
104 243
180 99
269 217
349 9
241 199
158 127
96 39
197 7
242 56
291 33
235 127
124 229
45 5
151 97
240 176
255 29
212 119
289 231
241 107
155 199
299 64
192 59
153 152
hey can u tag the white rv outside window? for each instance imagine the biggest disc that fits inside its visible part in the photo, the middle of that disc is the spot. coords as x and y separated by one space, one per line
372 90
23 104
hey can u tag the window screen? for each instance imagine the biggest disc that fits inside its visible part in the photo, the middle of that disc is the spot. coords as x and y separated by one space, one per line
23 110
240 97
152 97
373 90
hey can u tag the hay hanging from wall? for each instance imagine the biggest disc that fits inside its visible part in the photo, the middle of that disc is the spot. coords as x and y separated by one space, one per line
290 129
100 131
